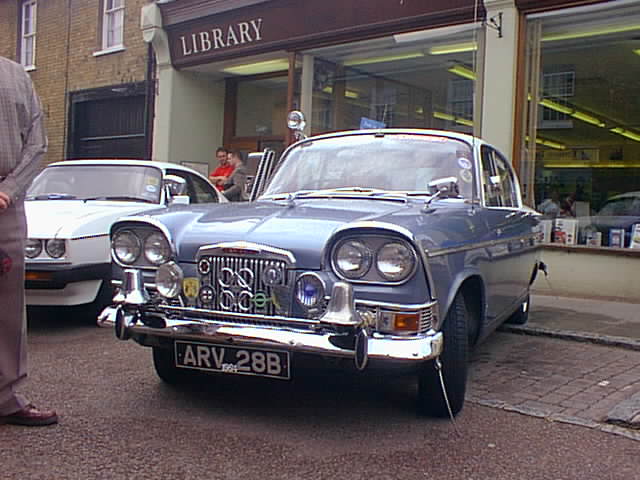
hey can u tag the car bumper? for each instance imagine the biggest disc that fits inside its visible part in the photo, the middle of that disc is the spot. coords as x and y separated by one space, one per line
412 349
64 285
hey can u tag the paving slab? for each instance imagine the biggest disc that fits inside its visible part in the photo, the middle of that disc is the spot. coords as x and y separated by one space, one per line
557 379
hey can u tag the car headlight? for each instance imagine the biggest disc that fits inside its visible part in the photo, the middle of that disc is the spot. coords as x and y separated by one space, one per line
169 278
309 290
157 249
55 248
352 259
33 247
395 261
126 246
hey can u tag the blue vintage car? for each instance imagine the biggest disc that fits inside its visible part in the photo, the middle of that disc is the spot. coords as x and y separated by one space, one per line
379 248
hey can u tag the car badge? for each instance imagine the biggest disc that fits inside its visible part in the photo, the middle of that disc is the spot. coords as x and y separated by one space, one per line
190 287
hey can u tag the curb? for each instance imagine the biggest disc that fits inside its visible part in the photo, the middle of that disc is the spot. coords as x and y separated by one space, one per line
608 340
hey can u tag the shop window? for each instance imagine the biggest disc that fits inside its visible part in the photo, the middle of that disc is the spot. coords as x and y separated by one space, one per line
580 155
261 107
423 79
28 34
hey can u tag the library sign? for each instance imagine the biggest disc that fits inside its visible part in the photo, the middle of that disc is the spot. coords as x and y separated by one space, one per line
221 38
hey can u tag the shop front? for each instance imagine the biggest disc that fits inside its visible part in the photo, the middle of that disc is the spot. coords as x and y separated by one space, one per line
553 87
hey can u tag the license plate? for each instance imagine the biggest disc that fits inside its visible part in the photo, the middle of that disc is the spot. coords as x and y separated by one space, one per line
235 360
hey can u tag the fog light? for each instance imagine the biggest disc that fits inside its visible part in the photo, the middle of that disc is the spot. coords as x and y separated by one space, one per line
169 278
309 290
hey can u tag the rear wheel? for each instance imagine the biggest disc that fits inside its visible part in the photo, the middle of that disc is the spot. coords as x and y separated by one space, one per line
164 363
454 358
521 315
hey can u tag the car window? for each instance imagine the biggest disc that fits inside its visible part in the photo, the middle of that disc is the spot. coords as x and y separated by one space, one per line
97 181
392 162
498 181
203 190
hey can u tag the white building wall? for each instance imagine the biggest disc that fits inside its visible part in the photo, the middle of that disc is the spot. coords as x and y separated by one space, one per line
499 84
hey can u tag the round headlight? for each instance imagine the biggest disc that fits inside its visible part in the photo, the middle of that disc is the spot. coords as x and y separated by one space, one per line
126 246
169 279
55 248
32 248
352 259
156 249
395 261
309 290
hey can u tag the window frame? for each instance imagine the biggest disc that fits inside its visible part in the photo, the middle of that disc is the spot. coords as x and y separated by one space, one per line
108 14
28 63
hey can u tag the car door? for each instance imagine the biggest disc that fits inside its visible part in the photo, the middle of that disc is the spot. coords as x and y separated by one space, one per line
511 250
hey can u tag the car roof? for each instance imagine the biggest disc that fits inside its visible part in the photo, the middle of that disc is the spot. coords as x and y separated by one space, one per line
622 196
119 161
464 137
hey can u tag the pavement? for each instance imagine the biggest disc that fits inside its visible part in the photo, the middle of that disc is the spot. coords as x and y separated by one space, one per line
575 361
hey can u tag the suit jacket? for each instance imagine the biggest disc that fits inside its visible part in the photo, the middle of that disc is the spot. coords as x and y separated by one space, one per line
235 188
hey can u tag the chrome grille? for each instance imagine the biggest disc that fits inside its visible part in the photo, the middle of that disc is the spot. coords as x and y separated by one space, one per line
245 285
426 319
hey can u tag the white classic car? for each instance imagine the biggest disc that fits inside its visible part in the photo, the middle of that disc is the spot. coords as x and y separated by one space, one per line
70 208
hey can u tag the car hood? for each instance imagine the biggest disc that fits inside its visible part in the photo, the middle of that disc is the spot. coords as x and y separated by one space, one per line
76 218
303 228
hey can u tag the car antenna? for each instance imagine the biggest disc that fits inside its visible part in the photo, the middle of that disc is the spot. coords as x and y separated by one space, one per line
438 365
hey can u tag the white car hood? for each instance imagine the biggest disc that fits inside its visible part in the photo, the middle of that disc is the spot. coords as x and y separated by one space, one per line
76 218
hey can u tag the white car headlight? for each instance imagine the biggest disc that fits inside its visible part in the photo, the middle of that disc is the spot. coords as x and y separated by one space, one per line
55 248
395 261
169 278
33 247
352 259
125 246
157 249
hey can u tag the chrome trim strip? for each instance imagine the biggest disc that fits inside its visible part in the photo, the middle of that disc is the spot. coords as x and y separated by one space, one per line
489 243
85 237
397 306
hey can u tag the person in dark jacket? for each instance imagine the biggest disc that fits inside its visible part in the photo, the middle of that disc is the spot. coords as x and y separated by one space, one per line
235 187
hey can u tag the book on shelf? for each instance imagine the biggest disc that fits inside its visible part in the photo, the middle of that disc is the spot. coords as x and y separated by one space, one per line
564 231
616 237
635 236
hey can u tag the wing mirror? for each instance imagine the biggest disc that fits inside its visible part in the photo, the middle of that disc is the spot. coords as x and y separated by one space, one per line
175 188
446 187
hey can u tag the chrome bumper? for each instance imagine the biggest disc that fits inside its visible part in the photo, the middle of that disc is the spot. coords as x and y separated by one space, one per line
339 322
410 349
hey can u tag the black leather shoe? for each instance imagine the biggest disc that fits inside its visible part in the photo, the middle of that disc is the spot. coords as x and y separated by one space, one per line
30 416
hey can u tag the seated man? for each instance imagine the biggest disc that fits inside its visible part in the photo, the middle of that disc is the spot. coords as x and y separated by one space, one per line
222 173
235 186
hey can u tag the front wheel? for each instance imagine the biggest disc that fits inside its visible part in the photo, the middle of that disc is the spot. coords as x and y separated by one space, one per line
454 358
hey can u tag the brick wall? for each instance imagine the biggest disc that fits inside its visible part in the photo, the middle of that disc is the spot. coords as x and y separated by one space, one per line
67 36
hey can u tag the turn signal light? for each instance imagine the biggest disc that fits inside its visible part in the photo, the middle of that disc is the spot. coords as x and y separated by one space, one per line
42 276
407 322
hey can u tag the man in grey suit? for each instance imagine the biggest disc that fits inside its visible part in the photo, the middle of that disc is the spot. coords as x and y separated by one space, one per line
235 187
22 145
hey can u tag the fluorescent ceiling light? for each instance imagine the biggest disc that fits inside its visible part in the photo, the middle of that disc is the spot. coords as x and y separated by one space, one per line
462 71
387 58
637 51
453 118
585 117
453 48
259 67
551 144
347 93
590 33
626 133
592 165
433 33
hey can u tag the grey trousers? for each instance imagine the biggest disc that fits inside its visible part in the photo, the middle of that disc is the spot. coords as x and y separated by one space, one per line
13 345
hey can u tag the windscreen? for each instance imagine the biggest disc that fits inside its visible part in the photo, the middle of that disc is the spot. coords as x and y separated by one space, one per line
97 182
394 162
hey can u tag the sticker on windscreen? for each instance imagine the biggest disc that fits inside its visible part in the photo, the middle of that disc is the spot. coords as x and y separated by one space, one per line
151 188
466 176
464 163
